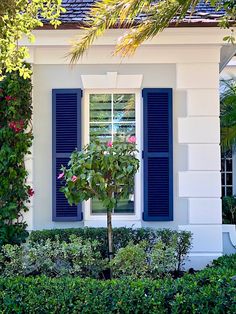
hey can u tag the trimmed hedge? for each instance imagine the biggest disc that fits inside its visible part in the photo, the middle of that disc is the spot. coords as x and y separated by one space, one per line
121 238
209 291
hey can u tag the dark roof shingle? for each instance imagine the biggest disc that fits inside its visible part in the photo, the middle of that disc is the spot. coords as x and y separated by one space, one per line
77 11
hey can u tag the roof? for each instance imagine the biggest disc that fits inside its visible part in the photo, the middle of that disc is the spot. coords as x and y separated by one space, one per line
77 14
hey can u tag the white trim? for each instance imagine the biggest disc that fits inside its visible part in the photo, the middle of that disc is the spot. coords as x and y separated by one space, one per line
231 230
178 35
217 254
88 217
111 80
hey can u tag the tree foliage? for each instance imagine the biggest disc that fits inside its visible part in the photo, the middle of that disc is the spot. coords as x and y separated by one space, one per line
15 142
155 17
17 19
228 113
102 171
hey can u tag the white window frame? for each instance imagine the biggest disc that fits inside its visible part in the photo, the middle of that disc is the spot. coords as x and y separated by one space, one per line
136 216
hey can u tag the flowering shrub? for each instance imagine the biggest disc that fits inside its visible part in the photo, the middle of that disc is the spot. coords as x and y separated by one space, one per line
105 171
15 141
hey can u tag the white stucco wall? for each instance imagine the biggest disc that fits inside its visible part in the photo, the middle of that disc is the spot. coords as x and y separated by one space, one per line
188 62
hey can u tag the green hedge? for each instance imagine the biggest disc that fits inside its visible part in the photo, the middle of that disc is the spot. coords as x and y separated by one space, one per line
121 238
209 291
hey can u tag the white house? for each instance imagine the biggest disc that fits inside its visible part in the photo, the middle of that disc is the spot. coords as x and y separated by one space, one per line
166 94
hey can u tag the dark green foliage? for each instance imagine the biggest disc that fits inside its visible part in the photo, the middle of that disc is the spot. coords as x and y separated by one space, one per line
180 240
209 291
227 261
228 113
104 171
15 142
229 210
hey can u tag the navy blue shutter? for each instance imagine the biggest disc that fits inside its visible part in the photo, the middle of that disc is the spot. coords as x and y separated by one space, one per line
66 136
158 154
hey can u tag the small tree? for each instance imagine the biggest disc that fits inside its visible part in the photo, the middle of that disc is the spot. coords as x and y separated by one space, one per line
102 171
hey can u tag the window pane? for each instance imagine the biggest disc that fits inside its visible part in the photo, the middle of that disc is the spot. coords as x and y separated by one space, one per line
229 180
229 190
124 107
228 164
100 132
222 179
112 117
123 206
222 191
100 107
123 131
222 164
97 207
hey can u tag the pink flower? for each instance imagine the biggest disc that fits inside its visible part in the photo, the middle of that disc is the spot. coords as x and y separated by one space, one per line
74 178
61 175
109 144
8 98
17 126
132 140
30 192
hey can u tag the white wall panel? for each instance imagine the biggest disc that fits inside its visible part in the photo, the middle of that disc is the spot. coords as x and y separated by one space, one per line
199 184
204 211
204 157
203 102
197 75
199 130
205 238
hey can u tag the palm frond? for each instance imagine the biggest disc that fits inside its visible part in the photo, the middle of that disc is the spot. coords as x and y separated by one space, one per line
228 113
153 17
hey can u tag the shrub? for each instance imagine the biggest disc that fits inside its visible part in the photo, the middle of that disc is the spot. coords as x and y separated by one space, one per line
130 261
226 261
52 258
229 209
15 142
162 259
180 240
140 261
208 291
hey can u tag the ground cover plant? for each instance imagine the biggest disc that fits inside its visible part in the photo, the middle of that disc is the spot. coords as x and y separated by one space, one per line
211 290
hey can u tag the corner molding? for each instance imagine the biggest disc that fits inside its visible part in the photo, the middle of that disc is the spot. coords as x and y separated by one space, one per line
231 230
112 80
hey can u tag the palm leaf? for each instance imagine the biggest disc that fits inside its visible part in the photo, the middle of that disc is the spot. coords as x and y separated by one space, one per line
144 18
228 113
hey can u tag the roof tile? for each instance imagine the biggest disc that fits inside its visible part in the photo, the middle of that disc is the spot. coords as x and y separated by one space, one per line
77 11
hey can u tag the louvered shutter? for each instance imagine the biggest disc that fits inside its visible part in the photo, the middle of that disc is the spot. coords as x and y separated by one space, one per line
66 136
157 154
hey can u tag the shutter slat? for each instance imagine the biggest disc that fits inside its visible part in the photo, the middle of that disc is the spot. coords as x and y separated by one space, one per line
158 168
66 137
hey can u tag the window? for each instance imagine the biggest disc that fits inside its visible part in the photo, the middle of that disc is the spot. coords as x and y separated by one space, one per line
112 118
227 173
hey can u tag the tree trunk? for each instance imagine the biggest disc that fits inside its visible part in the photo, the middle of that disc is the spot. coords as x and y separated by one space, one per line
109 235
